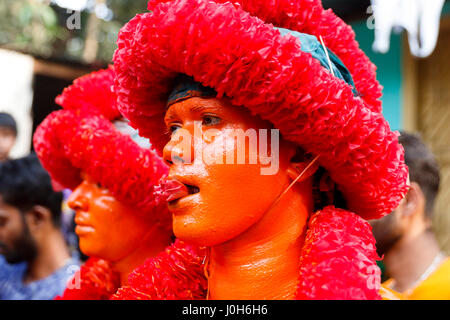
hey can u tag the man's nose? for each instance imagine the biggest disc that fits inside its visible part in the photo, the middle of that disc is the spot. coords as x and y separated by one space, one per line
180 148
79 198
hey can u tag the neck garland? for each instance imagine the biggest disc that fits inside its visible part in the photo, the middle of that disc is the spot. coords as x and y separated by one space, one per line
174 274
337 261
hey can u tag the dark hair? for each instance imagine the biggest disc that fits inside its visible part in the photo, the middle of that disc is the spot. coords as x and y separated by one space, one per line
24 184
325 191
423 168
7 121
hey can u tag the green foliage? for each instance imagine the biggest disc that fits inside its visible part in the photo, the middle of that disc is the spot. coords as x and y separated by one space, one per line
40 28
30 26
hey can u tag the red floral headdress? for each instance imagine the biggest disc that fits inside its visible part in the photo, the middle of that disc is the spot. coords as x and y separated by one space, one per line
82 138
267 73
235 49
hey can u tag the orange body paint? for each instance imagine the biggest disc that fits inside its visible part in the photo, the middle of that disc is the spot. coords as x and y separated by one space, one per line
255 245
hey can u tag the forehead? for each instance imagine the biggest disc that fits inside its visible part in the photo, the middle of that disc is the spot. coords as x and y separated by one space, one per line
84 176
7 209
6 131
196 104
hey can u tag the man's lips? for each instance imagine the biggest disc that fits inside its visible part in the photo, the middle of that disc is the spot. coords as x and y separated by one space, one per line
83 229
82 226
175 190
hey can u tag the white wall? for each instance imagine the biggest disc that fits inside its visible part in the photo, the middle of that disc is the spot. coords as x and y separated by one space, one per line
16 95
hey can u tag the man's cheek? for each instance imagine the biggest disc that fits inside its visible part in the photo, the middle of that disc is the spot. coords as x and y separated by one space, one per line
216 150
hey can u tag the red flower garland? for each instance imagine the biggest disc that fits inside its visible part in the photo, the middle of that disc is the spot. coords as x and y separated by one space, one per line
268 74
337 263
94 281
338 260
176 273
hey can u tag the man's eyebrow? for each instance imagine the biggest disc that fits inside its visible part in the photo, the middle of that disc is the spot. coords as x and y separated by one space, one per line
196 108
169 117
199 108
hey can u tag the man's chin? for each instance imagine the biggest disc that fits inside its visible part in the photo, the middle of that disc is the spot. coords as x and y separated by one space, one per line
192 235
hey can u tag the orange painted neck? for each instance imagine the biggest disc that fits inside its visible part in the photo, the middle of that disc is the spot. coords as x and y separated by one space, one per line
263 262
155 242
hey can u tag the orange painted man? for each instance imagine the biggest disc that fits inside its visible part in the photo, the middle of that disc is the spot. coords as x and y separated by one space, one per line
121 220
267 114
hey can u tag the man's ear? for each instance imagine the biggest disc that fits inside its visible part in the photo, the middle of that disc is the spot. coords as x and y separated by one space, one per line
414 199
37 217
305 168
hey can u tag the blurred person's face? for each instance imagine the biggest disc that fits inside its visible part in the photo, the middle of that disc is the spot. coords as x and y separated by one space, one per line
16 242
214 201
387 231
7 140
408 219
107 228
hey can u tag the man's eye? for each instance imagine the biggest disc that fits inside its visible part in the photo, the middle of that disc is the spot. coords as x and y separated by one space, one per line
211 120
174 128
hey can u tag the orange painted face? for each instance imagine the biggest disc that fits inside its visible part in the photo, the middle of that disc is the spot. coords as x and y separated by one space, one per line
107 228
216 201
